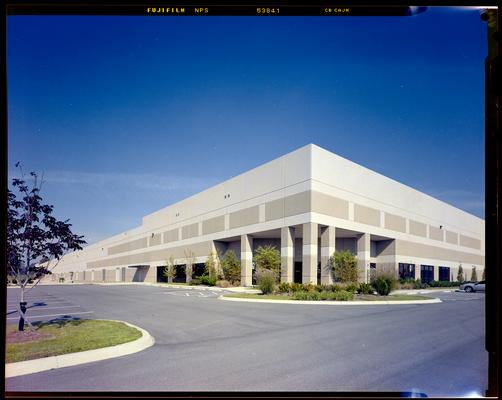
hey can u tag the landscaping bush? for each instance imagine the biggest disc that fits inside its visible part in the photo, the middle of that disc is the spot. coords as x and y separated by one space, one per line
231 266
352 287
265 279
284 287
268 258
223 283
61 280
308 287
364 288
296 287
336 287
384 285
208 280
194 281
322 288
343 295
443 284
344 266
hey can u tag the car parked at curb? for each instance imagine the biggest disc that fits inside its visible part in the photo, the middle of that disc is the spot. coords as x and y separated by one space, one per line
470 287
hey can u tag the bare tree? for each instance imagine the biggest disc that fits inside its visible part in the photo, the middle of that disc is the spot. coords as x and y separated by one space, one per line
189 262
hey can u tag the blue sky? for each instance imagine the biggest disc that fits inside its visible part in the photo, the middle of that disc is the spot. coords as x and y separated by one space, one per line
126 115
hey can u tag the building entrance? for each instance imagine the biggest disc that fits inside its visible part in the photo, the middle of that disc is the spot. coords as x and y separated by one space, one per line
297 276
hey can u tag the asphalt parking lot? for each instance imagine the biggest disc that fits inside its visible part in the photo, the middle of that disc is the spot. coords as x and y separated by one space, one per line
44 306
205 344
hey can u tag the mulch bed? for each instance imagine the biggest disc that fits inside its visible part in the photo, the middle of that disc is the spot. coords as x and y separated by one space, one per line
26 336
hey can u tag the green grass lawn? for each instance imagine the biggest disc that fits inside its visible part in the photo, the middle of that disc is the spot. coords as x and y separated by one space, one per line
367 297
66 337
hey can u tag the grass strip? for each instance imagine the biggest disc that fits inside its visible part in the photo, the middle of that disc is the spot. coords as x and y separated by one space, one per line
368 297
64 337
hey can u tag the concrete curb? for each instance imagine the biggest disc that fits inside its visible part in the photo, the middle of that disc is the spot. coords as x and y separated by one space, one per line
333 303
81 357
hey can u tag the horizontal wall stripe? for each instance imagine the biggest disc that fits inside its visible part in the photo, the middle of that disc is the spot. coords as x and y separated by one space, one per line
129 246
412 249
471 242
213 225
366 215
248 216
200 249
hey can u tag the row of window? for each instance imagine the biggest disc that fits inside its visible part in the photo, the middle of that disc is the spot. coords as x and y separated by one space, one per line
407 271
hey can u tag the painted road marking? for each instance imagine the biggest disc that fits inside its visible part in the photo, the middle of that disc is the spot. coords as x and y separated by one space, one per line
41 308
54 315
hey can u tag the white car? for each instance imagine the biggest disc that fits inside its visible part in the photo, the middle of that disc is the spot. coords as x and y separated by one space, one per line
473 286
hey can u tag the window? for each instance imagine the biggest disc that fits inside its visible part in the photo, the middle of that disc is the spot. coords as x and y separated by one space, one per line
444 274
406 271
426 273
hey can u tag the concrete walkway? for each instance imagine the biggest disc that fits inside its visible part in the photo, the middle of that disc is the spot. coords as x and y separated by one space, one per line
81 357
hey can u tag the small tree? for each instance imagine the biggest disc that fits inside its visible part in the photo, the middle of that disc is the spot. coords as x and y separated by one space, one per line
460 274
268 258
211 266
231 266
36 240
189 262
344 266
169 270
474 275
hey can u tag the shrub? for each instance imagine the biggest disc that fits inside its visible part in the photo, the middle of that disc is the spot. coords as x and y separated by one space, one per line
61 280
265 279
231 266
296 287
364 288
344 266
223 283
211 266
443 284
208 280
460 274
301 295
284 287
384 285
268 258
474 275
308 287
343 295
195 281
336 287
322 288
352 287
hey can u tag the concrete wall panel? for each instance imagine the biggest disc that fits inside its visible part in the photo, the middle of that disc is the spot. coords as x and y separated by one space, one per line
329 205
171 236
451 237
248 216
395 222
418 229
405 248
274 210
155 240
436 233
190 231
366 215
212 225
129 246
470 242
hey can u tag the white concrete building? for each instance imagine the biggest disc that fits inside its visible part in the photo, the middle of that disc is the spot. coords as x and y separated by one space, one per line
307 203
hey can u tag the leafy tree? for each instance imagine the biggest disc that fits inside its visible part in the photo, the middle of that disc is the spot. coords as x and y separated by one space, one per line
268 258
474 275
169 270
36 240
231 266
344 266
460 274
211 266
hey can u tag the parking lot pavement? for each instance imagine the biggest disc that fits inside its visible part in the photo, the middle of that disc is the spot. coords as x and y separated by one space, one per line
44 306
199 292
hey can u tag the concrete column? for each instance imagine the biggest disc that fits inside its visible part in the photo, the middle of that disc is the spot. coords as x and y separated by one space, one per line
417 271
151 274
328 238
363 256
309 258
246 260
287 253
436 273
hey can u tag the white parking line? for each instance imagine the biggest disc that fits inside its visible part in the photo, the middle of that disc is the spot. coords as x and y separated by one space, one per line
54 315
43 308
186 294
